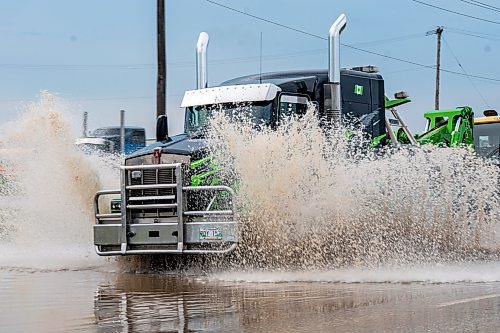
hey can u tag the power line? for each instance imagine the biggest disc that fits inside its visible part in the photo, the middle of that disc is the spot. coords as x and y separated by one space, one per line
391 40
278 56
481 5
75 67
454 12
485 5
302 31
413 69
422 65
353 47
473 34
84 99
178 64
463 69
265 20
108 98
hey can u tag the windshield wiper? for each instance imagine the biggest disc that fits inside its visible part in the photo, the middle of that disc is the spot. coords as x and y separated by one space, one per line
494 152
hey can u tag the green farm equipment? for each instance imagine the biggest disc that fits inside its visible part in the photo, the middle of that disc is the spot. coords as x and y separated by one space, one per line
447 128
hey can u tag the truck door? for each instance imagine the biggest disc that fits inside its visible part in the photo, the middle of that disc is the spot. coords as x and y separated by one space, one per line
362 99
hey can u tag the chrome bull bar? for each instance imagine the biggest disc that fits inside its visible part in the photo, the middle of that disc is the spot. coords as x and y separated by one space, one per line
186 232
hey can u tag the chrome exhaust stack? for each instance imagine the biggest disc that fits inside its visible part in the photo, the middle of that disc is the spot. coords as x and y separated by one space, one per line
332 88
201 61
334 49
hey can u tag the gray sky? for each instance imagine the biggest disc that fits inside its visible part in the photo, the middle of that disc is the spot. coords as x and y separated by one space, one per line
100 56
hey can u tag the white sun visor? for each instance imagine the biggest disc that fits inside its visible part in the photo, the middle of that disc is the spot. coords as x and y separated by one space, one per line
231 94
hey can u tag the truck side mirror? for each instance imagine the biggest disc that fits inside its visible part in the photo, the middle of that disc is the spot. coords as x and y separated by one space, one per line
162 128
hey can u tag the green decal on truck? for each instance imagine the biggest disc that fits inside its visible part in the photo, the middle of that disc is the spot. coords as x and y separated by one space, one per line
358 90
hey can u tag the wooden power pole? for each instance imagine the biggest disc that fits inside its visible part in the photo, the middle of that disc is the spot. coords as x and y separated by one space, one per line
161 85
439 31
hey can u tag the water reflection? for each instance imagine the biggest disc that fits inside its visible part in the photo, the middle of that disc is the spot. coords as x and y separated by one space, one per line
159 303
153 303
105 302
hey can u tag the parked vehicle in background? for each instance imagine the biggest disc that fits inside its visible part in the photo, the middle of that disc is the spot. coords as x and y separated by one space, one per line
107 140
487 135
135 137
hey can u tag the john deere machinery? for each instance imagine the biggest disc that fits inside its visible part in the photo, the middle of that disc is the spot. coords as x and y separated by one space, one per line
168 188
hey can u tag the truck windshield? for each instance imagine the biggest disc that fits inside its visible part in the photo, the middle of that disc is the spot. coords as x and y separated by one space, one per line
487 139
198 117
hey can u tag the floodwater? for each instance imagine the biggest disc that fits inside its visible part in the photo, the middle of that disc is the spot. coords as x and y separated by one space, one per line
407 242
98 301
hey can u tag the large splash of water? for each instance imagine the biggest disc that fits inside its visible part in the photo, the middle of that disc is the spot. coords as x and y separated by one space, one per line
307 199
311 199
47 188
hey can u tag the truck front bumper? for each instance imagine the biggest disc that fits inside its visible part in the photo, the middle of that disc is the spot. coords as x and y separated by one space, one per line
186 232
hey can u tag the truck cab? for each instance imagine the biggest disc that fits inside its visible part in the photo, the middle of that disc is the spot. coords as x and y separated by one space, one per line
270 97
487 135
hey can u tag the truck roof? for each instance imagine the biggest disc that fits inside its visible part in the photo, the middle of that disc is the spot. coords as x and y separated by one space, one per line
487 120
289 76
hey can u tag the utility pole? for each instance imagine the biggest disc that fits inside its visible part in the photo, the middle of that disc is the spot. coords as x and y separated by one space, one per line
438 32
161 86
85 122
122 132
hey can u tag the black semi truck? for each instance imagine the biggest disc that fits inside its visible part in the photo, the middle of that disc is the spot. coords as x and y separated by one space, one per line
278 95
157 211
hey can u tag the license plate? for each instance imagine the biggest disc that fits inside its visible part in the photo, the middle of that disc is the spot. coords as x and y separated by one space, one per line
210 234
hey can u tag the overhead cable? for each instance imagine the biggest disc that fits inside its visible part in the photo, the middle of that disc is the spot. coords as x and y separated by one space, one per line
354 47
481 5
455 12
463 69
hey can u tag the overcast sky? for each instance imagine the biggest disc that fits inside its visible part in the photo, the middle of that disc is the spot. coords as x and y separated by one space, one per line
100 55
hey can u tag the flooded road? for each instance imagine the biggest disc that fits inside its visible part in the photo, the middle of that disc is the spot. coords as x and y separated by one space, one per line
98 301
341 213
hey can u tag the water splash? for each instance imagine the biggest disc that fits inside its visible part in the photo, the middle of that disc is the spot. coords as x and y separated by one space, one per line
475 272
46 209
308 200
317 200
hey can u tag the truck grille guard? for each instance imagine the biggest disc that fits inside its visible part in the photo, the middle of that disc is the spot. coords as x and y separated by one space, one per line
153 221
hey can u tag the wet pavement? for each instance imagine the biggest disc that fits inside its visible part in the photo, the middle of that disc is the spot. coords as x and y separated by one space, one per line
105 302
